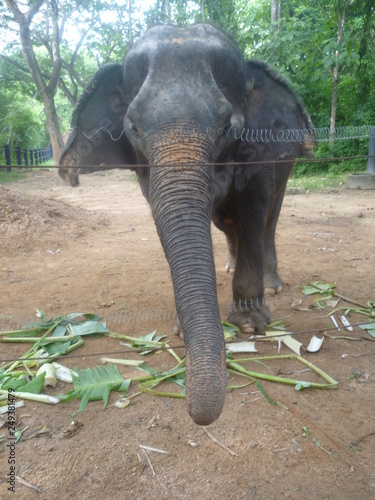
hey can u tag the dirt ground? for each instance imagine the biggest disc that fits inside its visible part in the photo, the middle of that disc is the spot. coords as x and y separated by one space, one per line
95 248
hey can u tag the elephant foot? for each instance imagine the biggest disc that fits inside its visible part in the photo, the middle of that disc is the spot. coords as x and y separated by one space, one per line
177 329
230 266
272 283
250 316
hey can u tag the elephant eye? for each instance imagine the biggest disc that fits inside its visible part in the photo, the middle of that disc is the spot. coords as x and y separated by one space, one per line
226 129
279 123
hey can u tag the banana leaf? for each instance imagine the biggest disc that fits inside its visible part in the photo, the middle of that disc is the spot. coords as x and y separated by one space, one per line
93 384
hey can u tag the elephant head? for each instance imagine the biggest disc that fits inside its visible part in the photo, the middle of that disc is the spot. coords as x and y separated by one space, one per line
183 100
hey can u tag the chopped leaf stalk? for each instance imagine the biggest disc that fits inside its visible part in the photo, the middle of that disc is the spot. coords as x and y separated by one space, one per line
40 398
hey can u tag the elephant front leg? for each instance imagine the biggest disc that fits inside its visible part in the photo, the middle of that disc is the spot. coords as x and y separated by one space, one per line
249 311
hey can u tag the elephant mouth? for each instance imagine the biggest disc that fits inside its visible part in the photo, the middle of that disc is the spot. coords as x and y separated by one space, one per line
69 174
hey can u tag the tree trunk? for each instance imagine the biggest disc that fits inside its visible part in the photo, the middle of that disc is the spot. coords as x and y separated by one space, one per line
46 90
169 15
203 11
273 14
130 24
230 10
335 74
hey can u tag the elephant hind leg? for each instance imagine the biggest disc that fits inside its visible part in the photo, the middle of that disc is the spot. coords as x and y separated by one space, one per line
177 330
232 247
271 280
272 283
225 223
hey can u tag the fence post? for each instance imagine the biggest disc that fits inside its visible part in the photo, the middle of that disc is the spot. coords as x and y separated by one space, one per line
8 161
25 157
31 156
36 157
371 152
18 157
40 156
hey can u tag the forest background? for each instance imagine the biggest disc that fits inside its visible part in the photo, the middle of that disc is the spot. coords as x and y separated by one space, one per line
325 49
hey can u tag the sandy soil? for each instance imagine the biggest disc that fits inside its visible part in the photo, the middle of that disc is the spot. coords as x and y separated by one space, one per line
95 248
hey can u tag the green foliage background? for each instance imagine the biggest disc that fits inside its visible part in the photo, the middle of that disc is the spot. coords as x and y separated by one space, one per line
301 46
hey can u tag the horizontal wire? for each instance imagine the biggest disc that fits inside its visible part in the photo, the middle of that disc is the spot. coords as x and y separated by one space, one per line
189 165
259 136
130 351
263 135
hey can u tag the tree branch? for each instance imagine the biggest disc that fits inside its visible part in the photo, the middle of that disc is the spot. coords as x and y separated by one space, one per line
33 10
72 97
64 89
56 60
15 63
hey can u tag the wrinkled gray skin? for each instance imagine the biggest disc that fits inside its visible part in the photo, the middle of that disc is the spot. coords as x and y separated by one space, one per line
183 98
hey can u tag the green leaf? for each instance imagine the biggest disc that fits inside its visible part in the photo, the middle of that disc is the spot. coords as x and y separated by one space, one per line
59 347
125 386
89 328
146 343
149 336
25 334
267 396
230 330
73 317
60 331
318 287
148 369
35 386
302 385
13 382
369 328
93 384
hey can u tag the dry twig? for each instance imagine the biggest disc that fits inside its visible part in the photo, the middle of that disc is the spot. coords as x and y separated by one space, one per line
148 448
354 443
149 461
220 444
29 485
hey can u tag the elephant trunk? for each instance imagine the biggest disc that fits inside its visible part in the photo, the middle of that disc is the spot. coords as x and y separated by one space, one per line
181 201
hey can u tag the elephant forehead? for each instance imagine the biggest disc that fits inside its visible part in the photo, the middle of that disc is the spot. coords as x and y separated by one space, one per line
165 45
181 36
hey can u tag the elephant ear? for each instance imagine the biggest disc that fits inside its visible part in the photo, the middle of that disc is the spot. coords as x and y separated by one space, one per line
97 134
277 126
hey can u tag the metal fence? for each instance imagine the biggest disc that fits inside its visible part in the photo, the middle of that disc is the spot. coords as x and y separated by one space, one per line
26 157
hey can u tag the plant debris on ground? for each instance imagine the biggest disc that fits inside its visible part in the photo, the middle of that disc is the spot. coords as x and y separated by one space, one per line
37 369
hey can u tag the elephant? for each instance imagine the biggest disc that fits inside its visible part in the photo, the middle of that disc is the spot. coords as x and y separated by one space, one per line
199 124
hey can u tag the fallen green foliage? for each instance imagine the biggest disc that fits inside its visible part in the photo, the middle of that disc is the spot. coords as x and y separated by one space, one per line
327 290
318 287
50 339
369 328
146 343
58 336
93 384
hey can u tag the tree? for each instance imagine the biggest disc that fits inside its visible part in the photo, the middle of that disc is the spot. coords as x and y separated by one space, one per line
326 48
46 89
44 27
275 14
341 14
